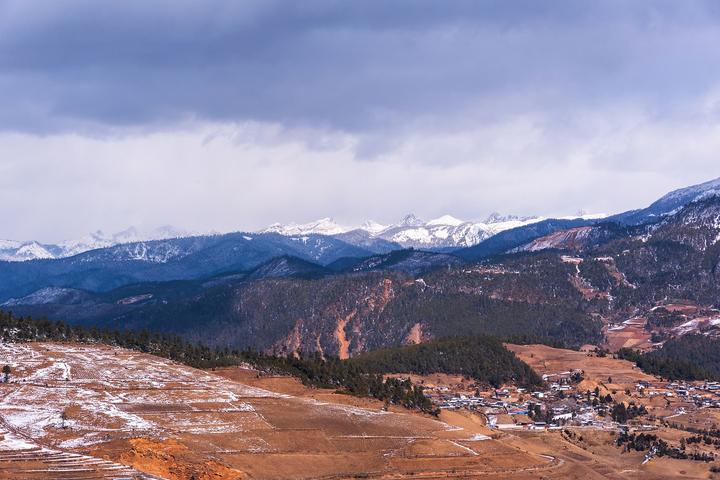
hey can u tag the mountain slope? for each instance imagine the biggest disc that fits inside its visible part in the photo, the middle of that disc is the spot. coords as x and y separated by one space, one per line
410 261
696 225
287 266
580 238
484 359
367 240
340 315
668 203
516 237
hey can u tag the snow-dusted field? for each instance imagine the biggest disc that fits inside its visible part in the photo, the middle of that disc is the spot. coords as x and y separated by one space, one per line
104 390
75 396
67 405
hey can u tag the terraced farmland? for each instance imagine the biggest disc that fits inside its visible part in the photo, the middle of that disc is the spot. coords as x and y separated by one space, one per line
97 412
20 458
90 408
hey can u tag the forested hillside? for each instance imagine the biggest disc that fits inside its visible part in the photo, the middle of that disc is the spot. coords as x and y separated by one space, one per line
690 357
482 358
344 314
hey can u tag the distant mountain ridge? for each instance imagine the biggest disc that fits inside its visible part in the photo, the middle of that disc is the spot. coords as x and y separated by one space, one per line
442 233
165 260
569 233
193 257
20 251
669 203
445 232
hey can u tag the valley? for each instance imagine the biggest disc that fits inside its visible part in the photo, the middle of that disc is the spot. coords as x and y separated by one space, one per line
337 240
517 357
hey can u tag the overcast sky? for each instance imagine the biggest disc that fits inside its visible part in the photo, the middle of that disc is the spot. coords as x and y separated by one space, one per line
227 115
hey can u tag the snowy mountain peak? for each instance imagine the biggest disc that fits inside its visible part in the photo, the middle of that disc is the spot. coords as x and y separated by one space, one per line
446 231
33 250
8 244
168 231
442 232
410 220
496 217
323 226
372 226
446 220
130 234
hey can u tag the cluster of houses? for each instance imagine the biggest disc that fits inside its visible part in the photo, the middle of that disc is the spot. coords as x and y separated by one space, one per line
560 403
706 394
516 408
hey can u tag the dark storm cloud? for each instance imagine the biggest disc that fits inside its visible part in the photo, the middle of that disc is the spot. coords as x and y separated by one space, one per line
352 66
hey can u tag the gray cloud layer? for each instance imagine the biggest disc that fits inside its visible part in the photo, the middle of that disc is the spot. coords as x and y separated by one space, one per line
484 97
354 66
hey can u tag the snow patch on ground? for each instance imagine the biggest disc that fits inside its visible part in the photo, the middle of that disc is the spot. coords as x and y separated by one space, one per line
11 441
697 324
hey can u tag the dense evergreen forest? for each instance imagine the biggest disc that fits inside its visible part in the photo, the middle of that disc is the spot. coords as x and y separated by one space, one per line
483 358
690 357
529 295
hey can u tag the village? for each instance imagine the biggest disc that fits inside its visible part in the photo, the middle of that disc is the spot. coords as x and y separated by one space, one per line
563 403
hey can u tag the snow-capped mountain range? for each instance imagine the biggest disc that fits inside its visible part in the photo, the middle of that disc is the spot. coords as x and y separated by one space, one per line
442 232
19 251
445 232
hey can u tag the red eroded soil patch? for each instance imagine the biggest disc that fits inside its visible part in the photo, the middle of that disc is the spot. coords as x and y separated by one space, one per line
172 460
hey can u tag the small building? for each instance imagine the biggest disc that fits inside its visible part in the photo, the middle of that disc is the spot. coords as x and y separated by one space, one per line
522 420
503 422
